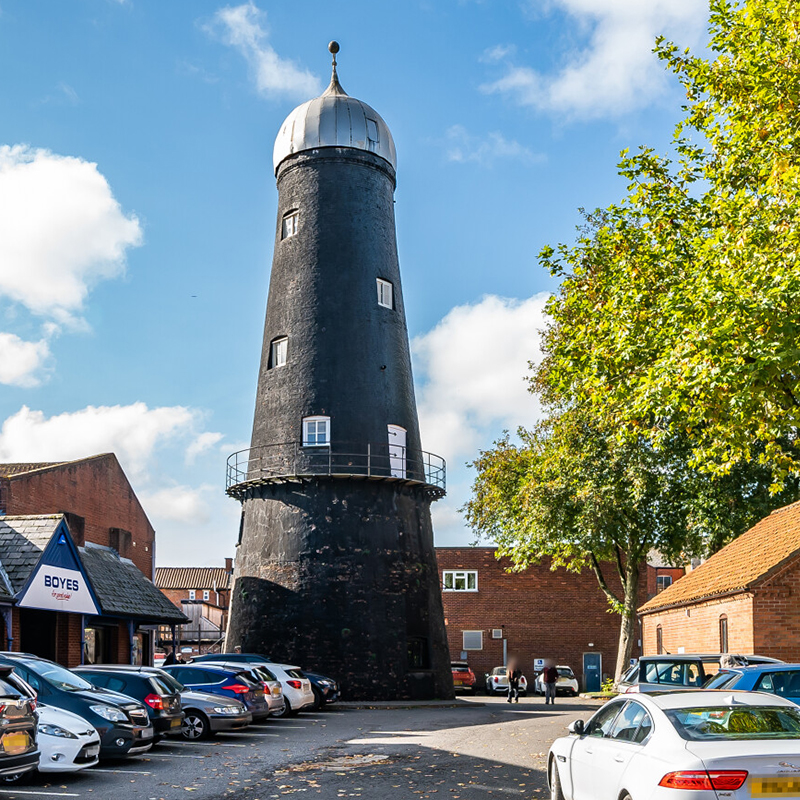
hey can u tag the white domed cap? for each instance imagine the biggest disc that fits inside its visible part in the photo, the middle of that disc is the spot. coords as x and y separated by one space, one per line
334 120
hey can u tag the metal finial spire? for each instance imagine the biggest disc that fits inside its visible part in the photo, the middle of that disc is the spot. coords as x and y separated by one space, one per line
335 87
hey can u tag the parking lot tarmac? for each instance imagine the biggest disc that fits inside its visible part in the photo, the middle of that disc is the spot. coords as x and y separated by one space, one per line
483 748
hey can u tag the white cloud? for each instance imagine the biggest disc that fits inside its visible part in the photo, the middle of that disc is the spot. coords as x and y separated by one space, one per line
61 231
462 147
205 441
242 27
498 53
179 504
21 361
616 72
133 432
473 366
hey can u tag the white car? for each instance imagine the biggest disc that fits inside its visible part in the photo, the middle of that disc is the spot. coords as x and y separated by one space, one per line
67 742
706 745
497 682
567 682
297 691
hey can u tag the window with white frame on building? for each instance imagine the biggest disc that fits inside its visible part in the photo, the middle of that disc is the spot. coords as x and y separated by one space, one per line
662 581
192 594
316 431
460 580
472 640
278 351
385 295
206 594
290 223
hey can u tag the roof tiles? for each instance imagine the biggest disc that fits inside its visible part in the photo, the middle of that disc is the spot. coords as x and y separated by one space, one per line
193 578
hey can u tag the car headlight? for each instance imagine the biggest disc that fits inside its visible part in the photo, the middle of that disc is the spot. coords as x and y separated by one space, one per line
110 713
55 730
227 710
325 683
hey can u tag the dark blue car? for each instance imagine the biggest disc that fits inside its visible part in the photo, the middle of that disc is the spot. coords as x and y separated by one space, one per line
780 679
225 682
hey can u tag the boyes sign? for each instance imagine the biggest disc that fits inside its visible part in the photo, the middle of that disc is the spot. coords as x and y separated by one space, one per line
58 582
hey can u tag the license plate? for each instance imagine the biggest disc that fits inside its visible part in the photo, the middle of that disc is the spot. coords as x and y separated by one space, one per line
93 751
14 743
176 723
775 787
458 683
145 733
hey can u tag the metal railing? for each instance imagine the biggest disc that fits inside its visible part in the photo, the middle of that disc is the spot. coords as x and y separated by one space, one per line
294 460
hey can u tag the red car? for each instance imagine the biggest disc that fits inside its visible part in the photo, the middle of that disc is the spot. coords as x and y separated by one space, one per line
463 677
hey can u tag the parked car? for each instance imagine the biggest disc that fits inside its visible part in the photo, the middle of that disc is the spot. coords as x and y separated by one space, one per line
254 658
19 753
67 742
739 745
463 677
326 690
566 683
497 682
273 691
233 683
121 722
669 672
162 701
782 680
205 714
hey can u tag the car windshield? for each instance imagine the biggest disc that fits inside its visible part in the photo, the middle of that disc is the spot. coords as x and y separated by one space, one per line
263 673
565 672
9 690
460 668
738 722
295 673
60 678
160 685
630 674
721 680
499 671
170 680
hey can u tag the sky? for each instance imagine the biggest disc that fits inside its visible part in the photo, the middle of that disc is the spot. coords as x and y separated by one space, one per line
138 203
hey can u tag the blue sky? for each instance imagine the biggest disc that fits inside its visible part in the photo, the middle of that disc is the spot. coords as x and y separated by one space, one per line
137 212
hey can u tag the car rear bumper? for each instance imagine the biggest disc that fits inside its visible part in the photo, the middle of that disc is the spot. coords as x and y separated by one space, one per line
16 765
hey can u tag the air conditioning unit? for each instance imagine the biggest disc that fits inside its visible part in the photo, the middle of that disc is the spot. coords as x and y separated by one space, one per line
497 633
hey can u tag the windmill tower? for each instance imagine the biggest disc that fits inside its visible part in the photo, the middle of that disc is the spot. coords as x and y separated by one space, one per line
335 567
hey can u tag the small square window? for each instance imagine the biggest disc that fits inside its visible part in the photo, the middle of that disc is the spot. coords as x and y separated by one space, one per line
461 580
192 594
278 351
290 223
472 640
206 594
316 431
385 298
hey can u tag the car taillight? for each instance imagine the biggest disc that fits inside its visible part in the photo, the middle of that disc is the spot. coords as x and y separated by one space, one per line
155 701
726 780
239 688
295 684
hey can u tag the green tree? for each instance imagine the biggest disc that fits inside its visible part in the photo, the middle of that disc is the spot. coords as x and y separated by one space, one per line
678 306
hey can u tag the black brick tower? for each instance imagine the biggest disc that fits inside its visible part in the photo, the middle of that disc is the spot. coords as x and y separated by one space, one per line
335 568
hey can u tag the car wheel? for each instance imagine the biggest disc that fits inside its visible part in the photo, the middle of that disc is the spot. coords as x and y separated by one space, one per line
287 709
556 792
319 700
196 726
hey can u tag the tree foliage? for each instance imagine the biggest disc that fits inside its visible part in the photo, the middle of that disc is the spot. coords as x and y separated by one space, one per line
678 306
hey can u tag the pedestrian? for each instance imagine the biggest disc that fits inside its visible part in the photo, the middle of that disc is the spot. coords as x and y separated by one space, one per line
514 674
549 678
170 657
237 649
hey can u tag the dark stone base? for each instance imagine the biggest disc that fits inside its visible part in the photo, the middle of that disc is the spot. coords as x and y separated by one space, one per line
340 577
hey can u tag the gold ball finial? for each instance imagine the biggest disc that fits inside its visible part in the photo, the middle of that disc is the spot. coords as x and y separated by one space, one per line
333 47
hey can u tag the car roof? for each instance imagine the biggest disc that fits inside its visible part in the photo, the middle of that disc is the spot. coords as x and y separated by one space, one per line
705 657
761 667
206 665
110 667
712 698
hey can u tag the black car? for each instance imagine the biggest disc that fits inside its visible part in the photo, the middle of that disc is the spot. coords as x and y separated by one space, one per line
162 700
18 750
326 690
122 722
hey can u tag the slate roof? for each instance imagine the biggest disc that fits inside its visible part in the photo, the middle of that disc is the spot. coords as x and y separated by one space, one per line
122 590
193 578
747 561
22 540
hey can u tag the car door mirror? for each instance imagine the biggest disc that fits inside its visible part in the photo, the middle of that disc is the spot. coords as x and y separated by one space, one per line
576 727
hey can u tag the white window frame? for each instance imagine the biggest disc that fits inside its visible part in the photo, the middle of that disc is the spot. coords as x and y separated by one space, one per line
454 576
278 353
308 435
289 224
663 582
192 594
385 293
206 594
464 641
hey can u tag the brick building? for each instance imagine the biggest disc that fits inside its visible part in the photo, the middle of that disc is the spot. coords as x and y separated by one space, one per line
76 551
744 599
203 595
540 613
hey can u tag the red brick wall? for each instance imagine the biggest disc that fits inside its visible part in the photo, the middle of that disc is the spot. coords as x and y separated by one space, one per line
695 628
176 595
776 615
543 613
95 489
653 572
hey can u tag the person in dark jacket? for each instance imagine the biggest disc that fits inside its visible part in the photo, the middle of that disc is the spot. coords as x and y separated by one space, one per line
549 678
514 674
170 659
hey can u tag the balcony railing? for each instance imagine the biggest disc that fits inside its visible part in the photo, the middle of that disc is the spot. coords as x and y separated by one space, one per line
291 461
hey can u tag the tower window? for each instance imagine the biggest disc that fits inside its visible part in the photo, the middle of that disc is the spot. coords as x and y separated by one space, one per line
316 431
277 352
385 297
289 227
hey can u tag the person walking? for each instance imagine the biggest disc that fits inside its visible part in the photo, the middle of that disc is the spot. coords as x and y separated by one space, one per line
549 678
514 674
170 659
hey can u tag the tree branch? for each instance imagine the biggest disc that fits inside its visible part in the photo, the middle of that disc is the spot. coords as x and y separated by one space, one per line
601 579
620 567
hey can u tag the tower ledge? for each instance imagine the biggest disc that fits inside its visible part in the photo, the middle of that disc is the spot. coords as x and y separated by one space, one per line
294 462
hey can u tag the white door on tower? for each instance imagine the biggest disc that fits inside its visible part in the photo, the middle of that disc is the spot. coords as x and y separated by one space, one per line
397 451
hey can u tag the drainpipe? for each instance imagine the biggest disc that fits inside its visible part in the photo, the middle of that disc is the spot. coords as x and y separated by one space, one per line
83 639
